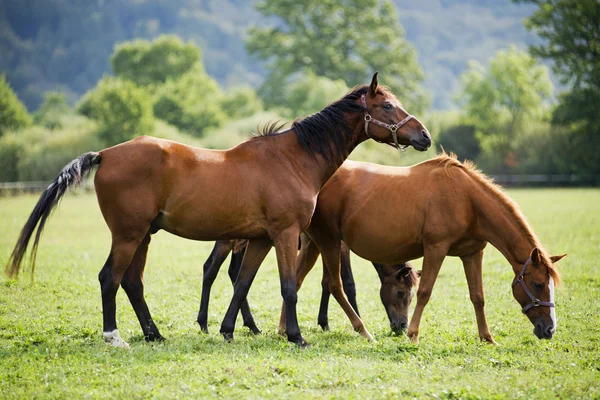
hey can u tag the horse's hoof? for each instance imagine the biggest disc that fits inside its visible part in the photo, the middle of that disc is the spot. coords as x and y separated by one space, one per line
228 336
281 331
325 327
254 329
154 338
115 339
303 344
204 329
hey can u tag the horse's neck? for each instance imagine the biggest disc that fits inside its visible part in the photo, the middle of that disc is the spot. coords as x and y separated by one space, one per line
326 168
505 230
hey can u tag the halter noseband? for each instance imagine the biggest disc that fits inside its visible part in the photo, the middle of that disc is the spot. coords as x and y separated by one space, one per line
535 302
391 127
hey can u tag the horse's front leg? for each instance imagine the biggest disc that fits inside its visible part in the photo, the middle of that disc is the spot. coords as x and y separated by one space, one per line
286 246
307 257
330 252
473 266
256 252
432 261
212 266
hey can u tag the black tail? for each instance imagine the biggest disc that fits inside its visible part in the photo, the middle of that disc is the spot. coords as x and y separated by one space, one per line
71 175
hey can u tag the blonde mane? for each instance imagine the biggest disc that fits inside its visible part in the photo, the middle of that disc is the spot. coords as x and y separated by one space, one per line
450 160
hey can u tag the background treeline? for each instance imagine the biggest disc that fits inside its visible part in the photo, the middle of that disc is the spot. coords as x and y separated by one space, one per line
496 103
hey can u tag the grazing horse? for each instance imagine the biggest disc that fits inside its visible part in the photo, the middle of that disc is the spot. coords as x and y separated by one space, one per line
397 282
436 208
264 189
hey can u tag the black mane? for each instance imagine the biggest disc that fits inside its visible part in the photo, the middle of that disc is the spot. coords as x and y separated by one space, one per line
326 132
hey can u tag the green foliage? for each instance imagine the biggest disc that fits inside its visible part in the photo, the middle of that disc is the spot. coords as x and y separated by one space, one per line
191 103
337 39
13 114
52 346
515 89
572 34
122 110
52 109
38 153
147 63
241 102
461 140
311 93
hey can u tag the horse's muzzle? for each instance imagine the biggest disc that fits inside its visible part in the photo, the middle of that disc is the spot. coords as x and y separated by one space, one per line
421 141
543 331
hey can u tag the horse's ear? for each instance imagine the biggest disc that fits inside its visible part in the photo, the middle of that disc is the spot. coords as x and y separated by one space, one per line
403 272
536 257
374 84
556 259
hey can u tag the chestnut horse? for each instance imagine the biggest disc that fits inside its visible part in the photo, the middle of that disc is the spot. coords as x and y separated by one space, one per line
264 189
436 208
397 282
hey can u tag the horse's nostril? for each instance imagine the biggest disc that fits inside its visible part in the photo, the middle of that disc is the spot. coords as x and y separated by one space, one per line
549 331
403 326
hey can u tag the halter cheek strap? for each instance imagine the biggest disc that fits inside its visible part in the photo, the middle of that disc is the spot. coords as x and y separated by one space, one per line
535 302
391 127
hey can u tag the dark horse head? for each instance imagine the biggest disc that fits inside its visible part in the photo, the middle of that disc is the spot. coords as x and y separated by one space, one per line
397 283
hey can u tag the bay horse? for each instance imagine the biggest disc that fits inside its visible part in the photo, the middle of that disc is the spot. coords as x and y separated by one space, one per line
396 292
264 189
433 209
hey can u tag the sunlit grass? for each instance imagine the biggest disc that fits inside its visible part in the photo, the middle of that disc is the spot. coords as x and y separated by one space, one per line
51 344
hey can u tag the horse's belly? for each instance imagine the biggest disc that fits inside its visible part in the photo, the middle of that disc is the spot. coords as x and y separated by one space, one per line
378 245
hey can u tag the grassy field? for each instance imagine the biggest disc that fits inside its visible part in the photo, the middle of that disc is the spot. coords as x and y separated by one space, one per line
51 344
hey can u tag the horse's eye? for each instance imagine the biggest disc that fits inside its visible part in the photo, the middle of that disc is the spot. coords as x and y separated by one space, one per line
538 287
387 106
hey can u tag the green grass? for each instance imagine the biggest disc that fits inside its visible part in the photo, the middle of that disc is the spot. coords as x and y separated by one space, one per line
51 344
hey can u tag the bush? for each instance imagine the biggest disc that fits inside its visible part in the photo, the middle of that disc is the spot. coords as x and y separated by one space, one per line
122 110
52 109
191 103
241 102
13 114
461 140
38 154
311 93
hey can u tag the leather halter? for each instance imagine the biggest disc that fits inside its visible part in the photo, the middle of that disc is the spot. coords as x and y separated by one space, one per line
391 127
535 302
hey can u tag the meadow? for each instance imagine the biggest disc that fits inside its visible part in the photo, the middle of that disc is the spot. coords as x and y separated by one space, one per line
51 343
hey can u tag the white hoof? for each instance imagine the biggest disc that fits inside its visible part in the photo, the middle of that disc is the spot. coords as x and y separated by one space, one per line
115 339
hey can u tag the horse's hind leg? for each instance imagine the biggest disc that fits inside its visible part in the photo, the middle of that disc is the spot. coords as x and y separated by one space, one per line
133 284
472 264
234 270
212 266
255 253
121 254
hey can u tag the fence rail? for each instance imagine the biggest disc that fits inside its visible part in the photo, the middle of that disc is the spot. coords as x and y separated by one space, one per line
536 180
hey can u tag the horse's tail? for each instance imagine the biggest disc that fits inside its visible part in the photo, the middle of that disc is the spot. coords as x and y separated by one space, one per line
71 175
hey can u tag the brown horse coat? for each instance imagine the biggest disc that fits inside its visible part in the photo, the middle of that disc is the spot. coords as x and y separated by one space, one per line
440 207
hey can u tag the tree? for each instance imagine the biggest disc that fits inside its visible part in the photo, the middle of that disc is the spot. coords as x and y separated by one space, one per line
337 39
145 63
311 93
192 102
515 88
571 29
13 114
122 109
241 102
49 114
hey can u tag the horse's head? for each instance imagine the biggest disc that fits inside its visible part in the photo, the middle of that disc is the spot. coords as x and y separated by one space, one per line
386 121
396 293
533 288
